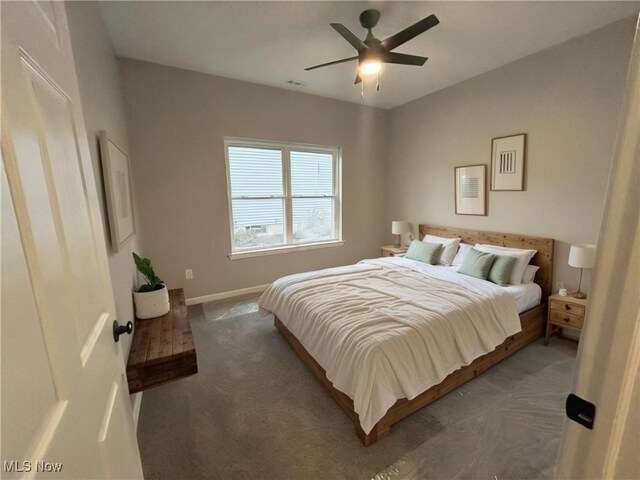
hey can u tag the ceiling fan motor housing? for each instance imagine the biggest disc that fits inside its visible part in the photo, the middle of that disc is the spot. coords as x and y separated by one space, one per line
369 18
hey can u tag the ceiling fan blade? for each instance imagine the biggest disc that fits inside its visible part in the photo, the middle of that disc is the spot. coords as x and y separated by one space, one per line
355 42
403 59
358 78
410 32
332 63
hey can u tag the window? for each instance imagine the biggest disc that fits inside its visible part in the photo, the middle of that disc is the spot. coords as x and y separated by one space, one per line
282 195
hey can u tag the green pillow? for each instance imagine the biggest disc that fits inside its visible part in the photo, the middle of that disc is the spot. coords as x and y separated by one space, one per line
501 269
477 264
424 252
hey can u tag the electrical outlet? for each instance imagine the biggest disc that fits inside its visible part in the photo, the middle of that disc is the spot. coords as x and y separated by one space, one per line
188 274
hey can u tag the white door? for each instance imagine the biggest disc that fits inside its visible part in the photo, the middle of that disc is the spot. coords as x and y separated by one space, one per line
65 402
608 369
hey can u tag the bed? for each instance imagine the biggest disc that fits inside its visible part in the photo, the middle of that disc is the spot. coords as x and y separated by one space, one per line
402 362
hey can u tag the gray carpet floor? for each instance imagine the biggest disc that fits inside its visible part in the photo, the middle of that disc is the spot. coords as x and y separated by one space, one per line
254 411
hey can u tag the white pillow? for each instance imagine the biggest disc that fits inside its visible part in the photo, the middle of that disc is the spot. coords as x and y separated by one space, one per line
450 247
522 259
462 252
530 273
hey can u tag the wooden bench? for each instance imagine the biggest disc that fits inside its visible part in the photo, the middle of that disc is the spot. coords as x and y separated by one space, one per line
162 349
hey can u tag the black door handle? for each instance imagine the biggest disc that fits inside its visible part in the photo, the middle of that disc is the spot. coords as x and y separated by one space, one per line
580 411
120 329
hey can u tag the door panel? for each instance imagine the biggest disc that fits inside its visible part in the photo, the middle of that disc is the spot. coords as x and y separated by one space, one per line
119 421
608 366
69 400
36 394
66 190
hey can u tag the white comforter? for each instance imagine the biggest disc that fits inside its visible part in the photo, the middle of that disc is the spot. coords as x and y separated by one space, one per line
391 328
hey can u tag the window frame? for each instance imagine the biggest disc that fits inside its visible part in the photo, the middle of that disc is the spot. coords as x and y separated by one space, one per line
287 196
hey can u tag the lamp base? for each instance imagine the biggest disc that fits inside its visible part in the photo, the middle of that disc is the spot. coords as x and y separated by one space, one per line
579 294
397 244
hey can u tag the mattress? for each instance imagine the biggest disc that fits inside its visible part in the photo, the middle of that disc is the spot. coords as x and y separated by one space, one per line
391 328
526 296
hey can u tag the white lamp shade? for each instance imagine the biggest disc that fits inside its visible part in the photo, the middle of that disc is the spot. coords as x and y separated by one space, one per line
399 227
582 255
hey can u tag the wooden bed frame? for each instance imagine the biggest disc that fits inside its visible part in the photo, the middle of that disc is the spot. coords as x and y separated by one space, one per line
532 321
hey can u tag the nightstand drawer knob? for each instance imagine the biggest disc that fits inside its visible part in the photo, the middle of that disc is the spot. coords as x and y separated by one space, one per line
566 319
567 307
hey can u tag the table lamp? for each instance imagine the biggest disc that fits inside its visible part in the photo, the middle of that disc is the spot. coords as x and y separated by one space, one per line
581 255
398 227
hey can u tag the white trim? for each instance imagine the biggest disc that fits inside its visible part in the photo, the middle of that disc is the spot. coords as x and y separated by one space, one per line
222 295
288 203
229 201
287 197
337 193
136 402
623 408
252 142
284 249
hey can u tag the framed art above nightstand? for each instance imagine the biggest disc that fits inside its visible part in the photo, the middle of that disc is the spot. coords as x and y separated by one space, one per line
564 312
392 251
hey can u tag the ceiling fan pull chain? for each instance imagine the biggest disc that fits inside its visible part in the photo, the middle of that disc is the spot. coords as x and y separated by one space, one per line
362 90
378 83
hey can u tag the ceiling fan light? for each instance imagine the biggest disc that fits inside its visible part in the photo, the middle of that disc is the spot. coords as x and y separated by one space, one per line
370 67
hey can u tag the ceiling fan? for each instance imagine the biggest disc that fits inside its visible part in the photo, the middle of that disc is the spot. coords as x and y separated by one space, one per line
373 52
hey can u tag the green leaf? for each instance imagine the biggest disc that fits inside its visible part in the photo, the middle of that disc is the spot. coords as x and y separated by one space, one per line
144 267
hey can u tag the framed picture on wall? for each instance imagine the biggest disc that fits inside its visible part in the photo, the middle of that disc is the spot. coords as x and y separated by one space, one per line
507 162
117 183
471 189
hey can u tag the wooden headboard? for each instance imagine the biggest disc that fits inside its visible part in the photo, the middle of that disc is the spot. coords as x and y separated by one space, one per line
544 246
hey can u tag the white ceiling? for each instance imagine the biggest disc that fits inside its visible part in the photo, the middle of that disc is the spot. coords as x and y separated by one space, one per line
272 42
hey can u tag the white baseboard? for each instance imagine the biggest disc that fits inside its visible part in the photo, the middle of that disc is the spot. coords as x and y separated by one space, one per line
222 295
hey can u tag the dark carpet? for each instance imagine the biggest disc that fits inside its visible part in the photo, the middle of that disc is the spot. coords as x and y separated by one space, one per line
254 411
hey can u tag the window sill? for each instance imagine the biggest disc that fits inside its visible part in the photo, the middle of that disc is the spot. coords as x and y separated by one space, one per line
285 249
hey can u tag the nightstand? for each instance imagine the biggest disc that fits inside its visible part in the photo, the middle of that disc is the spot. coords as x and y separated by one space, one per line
392 251
564 312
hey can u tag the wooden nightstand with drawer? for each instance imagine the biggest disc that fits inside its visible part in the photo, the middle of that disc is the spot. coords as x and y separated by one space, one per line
564 312
392 250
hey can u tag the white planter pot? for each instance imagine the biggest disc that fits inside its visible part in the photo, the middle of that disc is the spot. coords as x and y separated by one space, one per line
151 304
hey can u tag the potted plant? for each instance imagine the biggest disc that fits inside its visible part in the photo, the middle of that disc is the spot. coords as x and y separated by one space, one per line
152 298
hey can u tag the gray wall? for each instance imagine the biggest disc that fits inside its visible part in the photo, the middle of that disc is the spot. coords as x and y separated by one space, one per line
567 99
102 108
177 121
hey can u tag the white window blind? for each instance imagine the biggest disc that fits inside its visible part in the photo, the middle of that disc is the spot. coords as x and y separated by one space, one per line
282 194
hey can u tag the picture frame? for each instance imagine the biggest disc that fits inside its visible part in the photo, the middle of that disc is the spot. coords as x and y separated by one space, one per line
470 186
116 174
508 155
